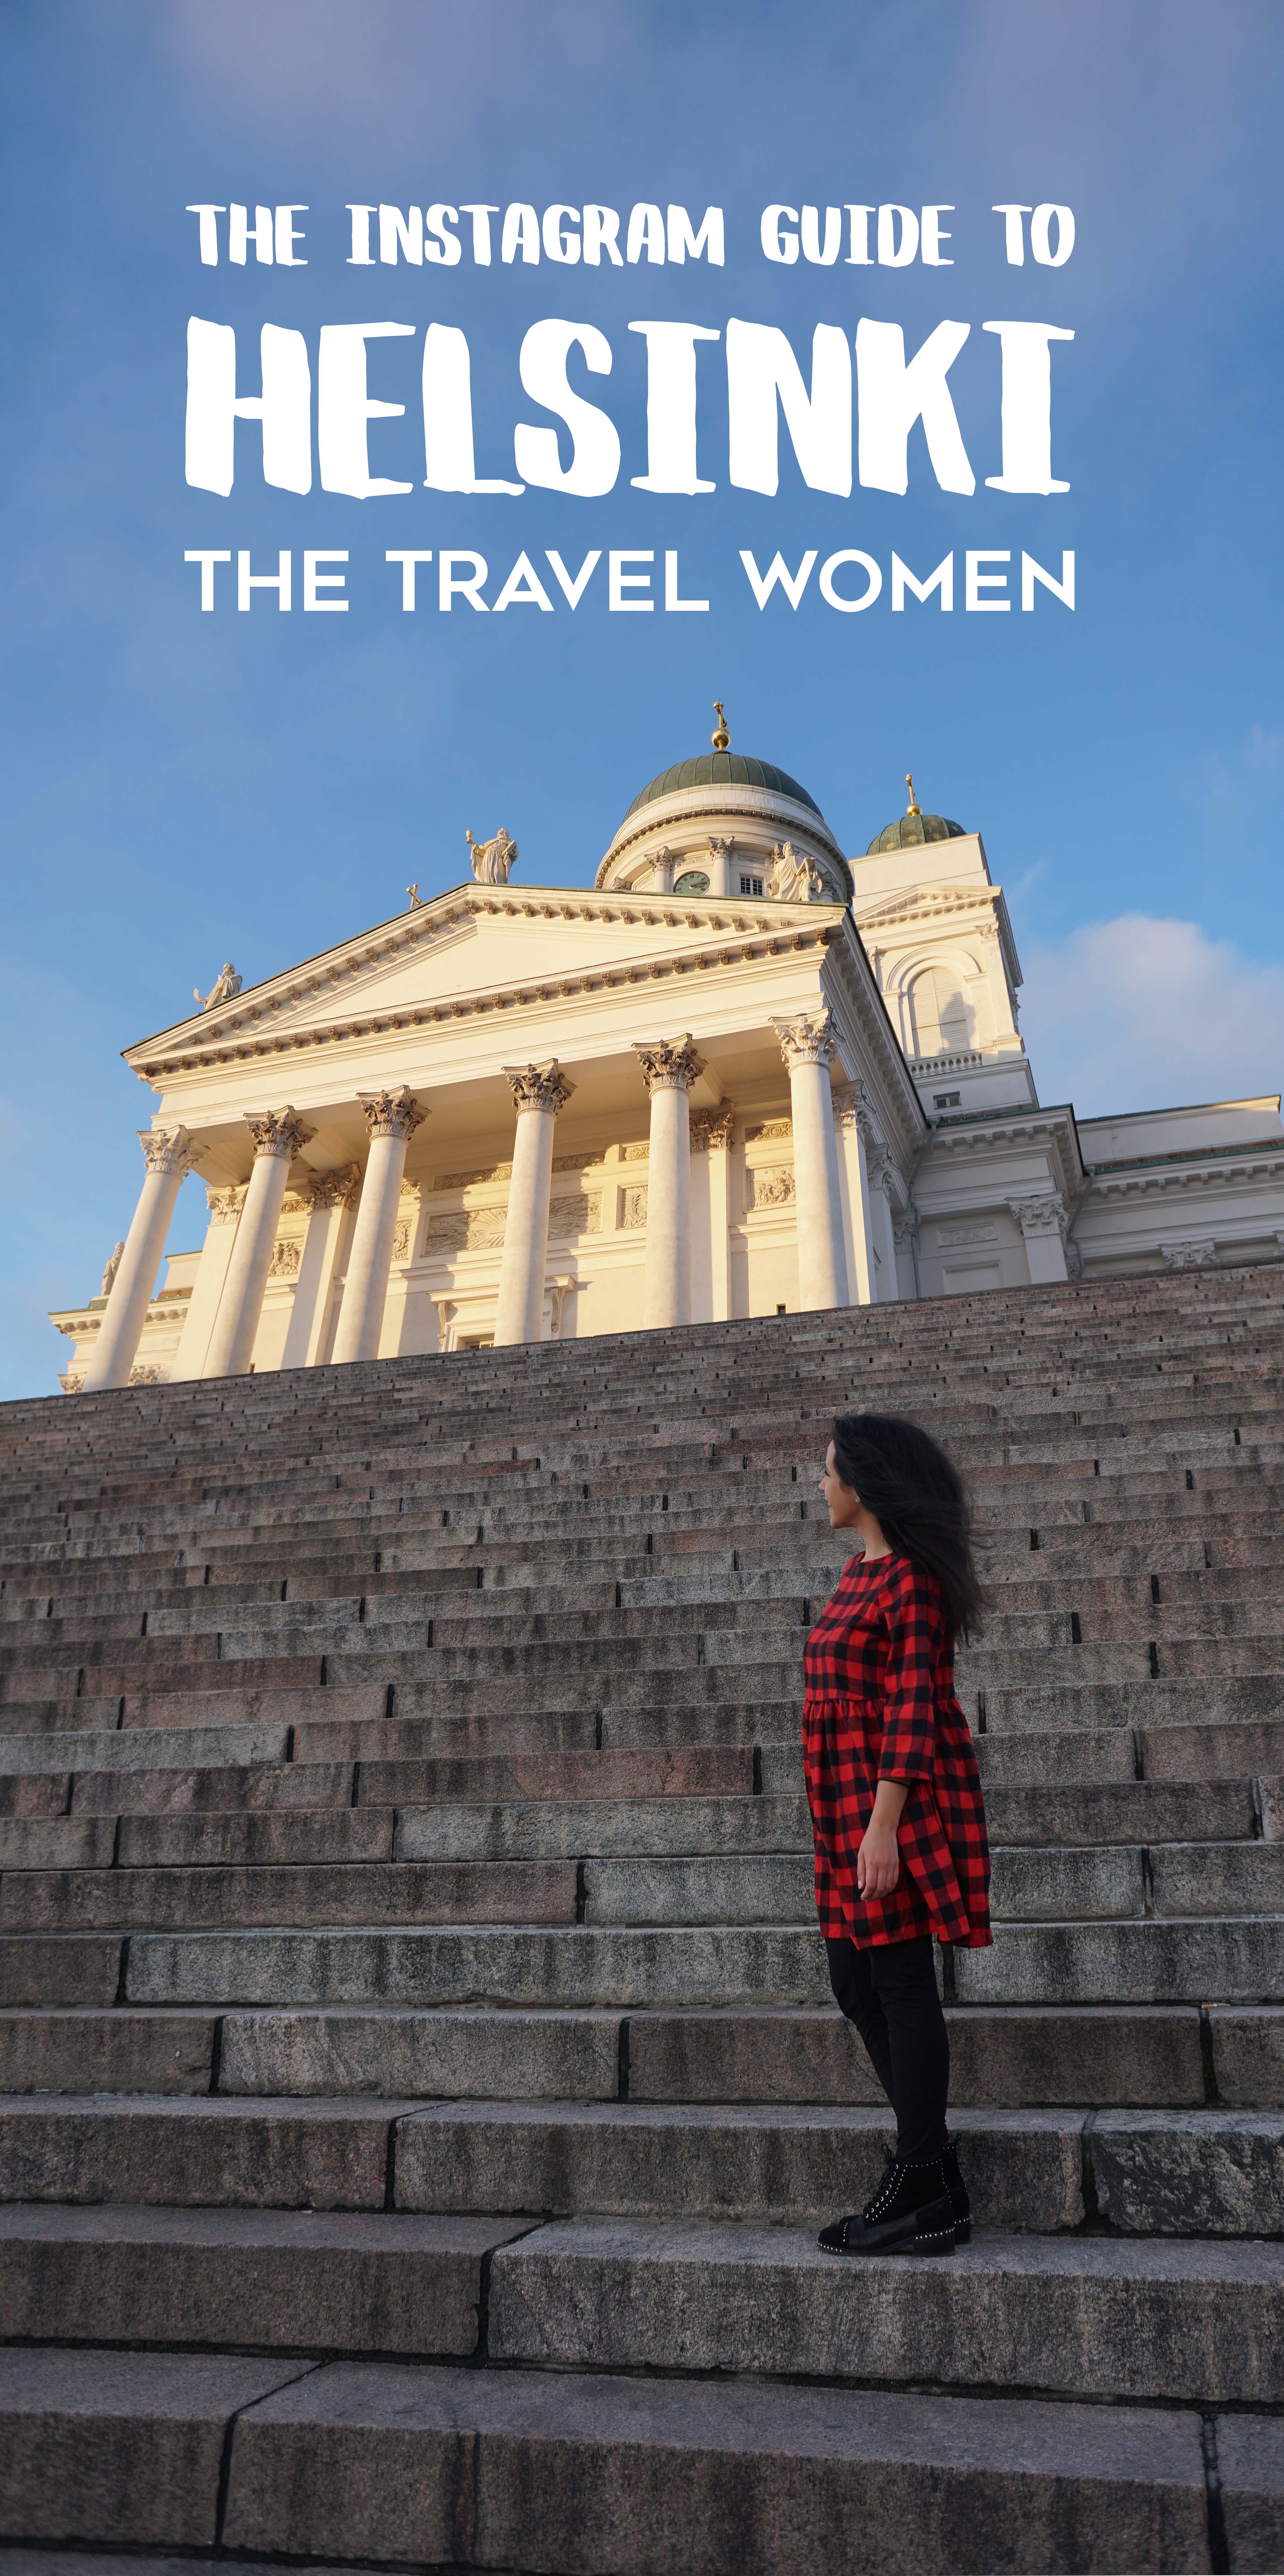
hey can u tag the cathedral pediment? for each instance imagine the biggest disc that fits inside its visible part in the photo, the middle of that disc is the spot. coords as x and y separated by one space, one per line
475 950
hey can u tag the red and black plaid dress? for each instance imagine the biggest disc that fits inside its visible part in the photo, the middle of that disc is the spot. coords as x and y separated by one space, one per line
880 1705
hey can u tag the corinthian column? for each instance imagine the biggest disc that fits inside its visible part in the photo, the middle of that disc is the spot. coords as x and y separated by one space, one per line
669 1067
391 1118
807 1044
276 1138
539 1091
168 1158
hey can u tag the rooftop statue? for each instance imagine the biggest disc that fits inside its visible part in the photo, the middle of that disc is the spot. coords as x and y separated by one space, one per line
111 1270
794 879
492 859
228 984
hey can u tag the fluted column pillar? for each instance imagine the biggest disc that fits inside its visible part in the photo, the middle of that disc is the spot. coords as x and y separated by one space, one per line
669 1067
391 1118
807 1044
169 1158
539 1091
276 1137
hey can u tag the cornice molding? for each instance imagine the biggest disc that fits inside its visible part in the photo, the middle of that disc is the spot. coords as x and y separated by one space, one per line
752 942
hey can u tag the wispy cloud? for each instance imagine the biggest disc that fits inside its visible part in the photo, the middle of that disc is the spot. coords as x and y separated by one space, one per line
1142 1013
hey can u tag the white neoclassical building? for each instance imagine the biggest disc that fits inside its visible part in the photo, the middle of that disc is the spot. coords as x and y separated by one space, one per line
742 1075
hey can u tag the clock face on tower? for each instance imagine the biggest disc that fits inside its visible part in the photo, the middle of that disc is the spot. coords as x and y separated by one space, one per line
694 882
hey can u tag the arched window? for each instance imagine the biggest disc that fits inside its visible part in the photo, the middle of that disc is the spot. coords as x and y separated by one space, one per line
940 1020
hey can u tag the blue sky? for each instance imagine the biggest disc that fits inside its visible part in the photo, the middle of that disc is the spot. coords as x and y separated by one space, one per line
179 789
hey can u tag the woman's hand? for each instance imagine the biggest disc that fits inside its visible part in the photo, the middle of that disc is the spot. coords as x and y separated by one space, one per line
878 1860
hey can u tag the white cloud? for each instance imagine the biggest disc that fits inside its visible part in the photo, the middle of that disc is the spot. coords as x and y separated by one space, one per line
1140 1013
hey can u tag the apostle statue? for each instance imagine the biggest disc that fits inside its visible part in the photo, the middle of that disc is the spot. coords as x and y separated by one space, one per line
794 879
111 1270
227 984
492 859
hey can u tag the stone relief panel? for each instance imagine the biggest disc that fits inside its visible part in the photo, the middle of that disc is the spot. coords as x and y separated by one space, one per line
769 1132
634 1153
466 1230
578 1162
465 1180
947 1236
772 1185
286 1257
402 1239
634 1210
568 1217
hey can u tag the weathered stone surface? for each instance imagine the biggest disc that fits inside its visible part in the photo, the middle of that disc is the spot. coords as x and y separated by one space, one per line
121 2447
655 2477
382 1892
490 2055
582 1829
91 2051
68 1842
1120 1811
299 1838
1190 2173
580 1967
143 1748
1250 2463
300 2279
43 1968
1023 2168
1248 2052
333 2155
1148 1962
1194 2322
1218 1878
1012 2055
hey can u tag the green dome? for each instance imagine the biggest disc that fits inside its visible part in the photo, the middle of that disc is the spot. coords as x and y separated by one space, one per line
726 769
909 831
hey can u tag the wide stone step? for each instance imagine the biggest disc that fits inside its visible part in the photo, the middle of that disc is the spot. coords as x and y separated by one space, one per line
1192 2321
1125 1962
1191 2173
1007 2057
379 2463
1197 2172
272 2279
395 1892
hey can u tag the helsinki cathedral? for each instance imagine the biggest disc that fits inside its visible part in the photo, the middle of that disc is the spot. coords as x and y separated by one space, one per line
743 1074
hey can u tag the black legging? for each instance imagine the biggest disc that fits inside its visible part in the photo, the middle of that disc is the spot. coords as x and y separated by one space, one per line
889 1992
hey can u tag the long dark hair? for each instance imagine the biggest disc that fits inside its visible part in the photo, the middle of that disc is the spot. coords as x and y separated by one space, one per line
919 1502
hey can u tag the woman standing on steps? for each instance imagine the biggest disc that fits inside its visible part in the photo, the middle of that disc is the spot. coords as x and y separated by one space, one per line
896 1807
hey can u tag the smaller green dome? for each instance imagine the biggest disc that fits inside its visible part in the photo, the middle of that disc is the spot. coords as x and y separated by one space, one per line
909 831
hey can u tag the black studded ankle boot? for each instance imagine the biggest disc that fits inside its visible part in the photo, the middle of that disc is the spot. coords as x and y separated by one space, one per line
910 2213
957 2190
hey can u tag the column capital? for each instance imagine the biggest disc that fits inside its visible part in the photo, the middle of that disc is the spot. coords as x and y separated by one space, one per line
336 1189
848 1105
711 1130
391 1113
169 1152
1044 1213
669 1064
809 1038
224 1205
538 1086
278 1132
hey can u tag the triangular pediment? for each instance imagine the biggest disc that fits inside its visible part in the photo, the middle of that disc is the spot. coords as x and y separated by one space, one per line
465 947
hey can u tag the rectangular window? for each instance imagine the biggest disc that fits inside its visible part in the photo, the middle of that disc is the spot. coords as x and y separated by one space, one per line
751 885
946 1099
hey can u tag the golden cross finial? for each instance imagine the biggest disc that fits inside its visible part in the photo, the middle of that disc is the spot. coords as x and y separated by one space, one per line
913 807
721 740
413 892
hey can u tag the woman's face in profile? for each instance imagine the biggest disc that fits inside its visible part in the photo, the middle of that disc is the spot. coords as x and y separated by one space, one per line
842 1501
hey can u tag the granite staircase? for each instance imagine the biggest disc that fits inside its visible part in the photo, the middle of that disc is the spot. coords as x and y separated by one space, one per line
419 2088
